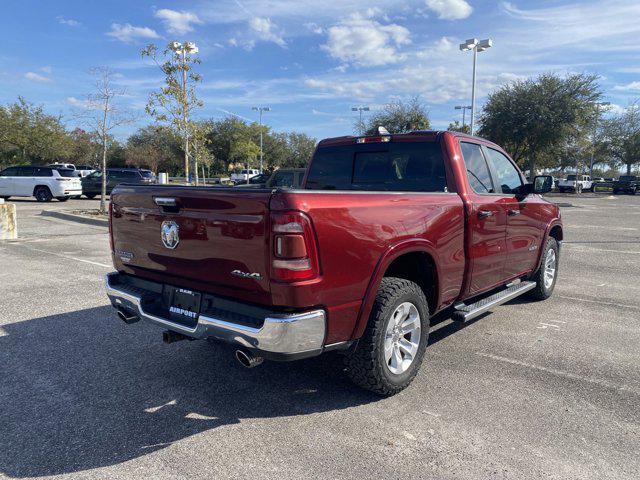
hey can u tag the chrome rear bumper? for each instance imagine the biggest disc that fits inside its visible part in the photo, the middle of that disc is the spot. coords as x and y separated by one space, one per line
297 335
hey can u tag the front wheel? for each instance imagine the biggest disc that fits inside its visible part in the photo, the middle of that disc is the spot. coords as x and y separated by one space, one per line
547 273
389 354
43 194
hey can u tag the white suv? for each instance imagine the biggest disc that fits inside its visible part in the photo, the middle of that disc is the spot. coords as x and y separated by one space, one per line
584 183
244 175
44 183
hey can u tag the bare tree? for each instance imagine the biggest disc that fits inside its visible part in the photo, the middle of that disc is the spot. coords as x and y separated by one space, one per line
102 114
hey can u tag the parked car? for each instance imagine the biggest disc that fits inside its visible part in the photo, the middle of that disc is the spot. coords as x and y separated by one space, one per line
584 183
85 170
43 183
387 231
244 175
255 181
92 184
284 177
626 184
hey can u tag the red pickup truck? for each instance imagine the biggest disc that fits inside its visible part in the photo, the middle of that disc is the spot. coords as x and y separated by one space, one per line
385 232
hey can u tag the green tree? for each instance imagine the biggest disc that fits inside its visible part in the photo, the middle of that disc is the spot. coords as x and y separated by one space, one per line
621 138
457 127
532 118
301 148
398 117
175 102
155 147
29 135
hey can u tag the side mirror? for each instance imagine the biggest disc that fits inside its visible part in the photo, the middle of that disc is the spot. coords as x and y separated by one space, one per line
542 184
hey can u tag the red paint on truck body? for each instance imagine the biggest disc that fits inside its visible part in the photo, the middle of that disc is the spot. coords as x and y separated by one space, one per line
358 235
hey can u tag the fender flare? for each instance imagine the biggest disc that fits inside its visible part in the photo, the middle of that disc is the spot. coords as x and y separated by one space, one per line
392 253
554 223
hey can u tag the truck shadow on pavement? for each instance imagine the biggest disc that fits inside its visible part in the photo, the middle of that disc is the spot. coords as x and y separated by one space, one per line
81 390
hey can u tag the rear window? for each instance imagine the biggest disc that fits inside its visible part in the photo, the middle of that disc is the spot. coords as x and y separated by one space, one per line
571 177
400 167
146 173
66 172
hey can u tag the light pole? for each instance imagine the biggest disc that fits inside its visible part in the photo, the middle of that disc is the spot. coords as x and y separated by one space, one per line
181 50
595 132
464 109
476 46
361 108
260 110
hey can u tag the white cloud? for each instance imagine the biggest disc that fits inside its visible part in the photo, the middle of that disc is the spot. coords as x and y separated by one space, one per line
69 22
267 30
36 77
46 69
450 9
440 48
366 42
128 33
314 28
178 22
633 86
75 102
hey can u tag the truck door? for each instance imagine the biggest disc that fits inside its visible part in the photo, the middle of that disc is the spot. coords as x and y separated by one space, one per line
524 225
486 221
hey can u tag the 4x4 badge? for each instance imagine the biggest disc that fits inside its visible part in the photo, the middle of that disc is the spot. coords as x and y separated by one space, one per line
170 234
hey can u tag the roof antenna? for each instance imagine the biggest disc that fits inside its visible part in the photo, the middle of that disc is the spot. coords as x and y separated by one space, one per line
383 131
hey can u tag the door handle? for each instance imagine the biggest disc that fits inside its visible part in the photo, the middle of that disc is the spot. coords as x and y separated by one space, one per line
512 212
485 213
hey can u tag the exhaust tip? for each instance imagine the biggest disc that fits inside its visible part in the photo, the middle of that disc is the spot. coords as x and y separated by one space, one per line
127 318
247 360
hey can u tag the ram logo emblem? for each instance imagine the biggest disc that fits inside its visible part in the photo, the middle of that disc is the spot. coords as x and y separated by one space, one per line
170 234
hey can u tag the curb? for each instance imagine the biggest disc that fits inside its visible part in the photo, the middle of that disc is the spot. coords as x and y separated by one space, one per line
75 218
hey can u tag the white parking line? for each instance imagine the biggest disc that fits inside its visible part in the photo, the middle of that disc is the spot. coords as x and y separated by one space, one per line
594 249
600 302
68 257
561 373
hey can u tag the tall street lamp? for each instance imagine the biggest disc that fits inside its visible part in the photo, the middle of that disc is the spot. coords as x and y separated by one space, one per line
464 109
181 50
595 132
260 110
476 46
362 108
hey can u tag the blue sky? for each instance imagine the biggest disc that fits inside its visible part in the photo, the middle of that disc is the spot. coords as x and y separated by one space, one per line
311 60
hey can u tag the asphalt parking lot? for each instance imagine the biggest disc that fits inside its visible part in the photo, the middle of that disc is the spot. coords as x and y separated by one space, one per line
534 390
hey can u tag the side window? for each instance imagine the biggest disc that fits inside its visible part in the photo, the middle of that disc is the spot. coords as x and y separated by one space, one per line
43 172
9 172
477 168
26 171
508 176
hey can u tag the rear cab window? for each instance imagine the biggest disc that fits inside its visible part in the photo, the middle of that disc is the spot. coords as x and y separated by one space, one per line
383 166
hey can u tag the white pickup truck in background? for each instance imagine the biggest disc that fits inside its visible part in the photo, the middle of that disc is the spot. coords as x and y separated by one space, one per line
569 184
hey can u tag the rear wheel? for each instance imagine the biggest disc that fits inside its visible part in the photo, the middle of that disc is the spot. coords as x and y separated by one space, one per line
547 274
43 194
390 352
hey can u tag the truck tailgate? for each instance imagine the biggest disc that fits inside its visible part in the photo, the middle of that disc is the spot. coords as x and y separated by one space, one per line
220 231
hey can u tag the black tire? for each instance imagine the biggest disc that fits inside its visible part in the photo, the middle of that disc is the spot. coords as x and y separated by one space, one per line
366 365
633 191
90 196
42 194
62 199
542 291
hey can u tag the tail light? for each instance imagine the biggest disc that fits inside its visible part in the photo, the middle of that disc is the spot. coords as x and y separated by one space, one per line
295 254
